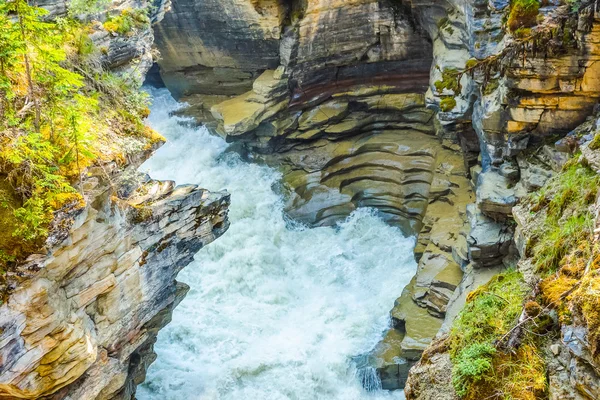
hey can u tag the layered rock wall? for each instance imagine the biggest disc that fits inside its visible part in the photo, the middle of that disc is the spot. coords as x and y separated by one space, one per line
218 47
367 105
80 320
86 317
432 112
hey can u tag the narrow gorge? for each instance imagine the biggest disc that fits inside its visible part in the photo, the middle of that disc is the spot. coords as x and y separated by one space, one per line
403 195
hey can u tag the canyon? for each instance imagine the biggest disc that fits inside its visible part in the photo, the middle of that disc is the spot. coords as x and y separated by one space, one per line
436 114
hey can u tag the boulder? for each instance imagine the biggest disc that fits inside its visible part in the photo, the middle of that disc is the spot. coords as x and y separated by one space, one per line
488 241
495 196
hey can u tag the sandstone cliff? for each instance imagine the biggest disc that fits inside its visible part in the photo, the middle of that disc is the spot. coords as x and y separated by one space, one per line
82 323
403 106
442 115
79 319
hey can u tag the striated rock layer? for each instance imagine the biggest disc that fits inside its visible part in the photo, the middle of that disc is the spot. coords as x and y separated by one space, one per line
367 103
82 325
81 319
430 111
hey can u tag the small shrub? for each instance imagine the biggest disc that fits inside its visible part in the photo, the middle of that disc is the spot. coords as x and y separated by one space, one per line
567 220
449 81
574 4
523 14
85 45
128 20
490 313
447 104
470 365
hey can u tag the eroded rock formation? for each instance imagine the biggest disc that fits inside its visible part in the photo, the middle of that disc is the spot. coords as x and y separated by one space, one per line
430 111
83 323
80 320
396 105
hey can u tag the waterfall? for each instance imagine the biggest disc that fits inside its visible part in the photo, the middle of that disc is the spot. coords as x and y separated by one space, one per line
275 310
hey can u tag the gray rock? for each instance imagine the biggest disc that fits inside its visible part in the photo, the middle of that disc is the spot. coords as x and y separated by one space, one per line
495 195
489 241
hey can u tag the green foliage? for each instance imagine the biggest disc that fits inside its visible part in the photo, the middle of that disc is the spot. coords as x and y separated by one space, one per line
595 143
522 32
83 8
491 311
470 365
125 22
449 81
84 44
447 103
567 220
491 86
523 14
471 63
34 218
574 5
54 98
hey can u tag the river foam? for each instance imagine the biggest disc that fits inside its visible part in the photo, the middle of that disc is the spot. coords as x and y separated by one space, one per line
275 310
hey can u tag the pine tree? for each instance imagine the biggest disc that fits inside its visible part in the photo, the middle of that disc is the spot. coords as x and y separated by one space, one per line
9 50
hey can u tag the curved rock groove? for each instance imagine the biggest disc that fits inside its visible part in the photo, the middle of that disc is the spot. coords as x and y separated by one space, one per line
275 311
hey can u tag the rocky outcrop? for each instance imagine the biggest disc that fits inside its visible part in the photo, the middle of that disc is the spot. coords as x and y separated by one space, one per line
218 47
80 320
418 314
347 89
367 103
431 377
82 325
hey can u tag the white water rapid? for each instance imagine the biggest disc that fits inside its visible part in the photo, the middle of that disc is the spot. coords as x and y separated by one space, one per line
275 310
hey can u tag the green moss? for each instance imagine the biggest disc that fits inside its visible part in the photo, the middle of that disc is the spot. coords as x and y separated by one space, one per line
125 22
522 33
449 81
471 63
447 104
491 86
443 22
480 368
523 14
595 143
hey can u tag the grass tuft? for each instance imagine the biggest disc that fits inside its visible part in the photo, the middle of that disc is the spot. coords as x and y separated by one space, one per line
481 370
566 218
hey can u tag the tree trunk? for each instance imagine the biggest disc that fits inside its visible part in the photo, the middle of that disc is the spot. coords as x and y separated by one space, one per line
31 90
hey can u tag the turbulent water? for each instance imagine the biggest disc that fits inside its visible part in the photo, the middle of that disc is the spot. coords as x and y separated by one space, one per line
275 310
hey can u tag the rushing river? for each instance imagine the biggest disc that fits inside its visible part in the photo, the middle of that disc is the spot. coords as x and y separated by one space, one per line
275 310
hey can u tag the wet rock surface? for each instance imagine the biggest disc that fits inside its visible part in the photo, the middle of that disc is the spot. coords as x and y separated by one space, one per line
356 102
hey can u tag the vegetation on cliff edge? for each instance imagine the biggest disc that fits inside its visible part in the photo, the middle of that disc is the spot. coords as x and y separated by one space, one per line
567 222
60 112
483 368
497 342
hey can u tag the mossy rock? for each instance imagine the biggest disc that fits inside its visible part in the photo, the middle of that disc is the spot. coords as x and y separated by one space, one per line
447 104
523 14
